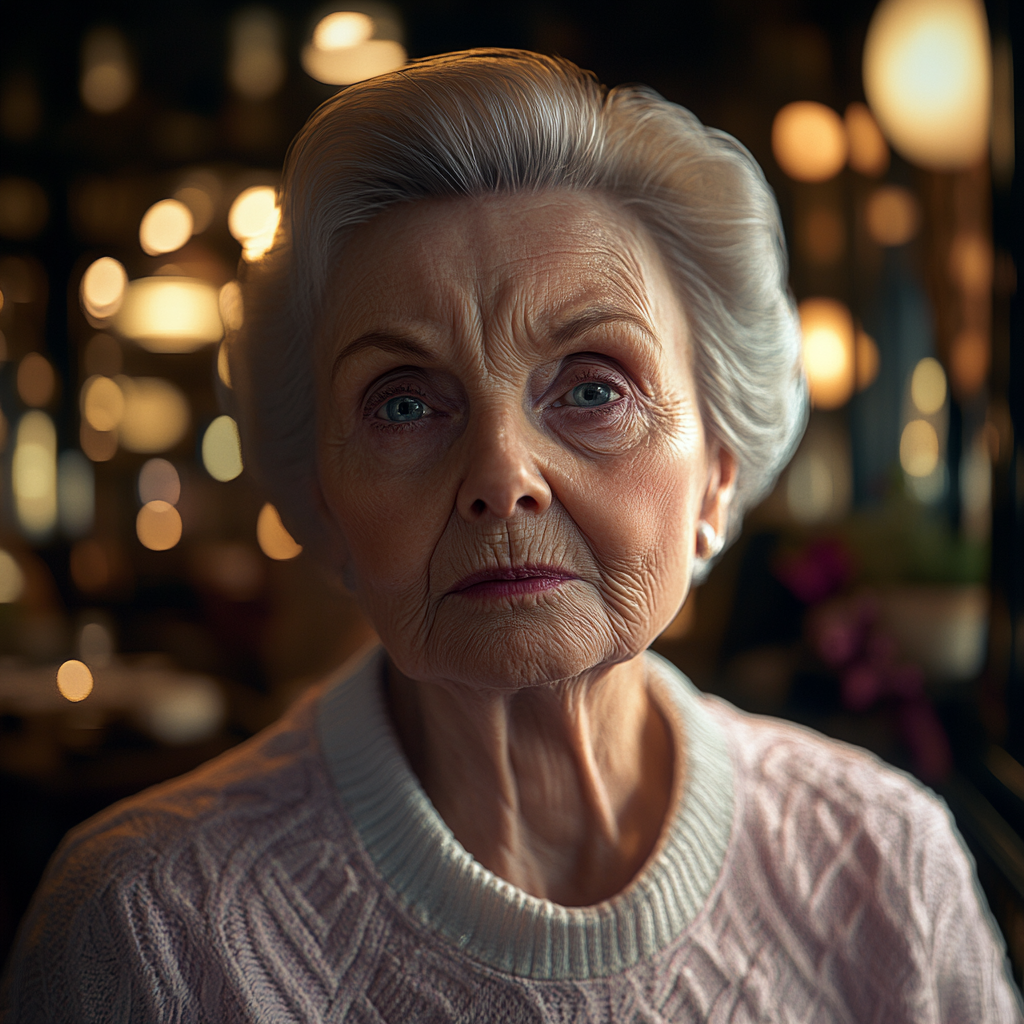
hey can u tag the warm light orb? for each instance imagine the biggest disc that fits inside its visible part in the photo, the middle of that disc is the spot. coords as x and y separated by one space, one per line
158 525
868 360
159 481
98 445
223 365
103 287
12 579
274 540
74 680
253 220
156 415
34 474
969 358
231 309
166 226
971 263
828 350
928 386
170 314
343 50
102 403
809 141
341 29
108 78
36 380
927 76
222 449
869 152
892 215
919 448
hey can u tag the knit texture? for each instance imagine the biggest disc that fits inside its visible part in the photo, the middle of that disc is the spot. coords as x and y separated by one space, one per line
797 879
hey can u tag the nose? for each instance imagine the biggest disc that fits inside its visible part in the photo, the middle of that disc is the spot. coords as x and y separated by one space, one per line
502 475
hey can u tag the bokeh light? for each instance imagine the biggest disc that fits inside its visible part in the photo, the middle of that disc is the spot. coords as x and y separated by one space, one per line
341 29
158 525
809 141
869 152
76 494
868 360
159 481
971 263
34 474
222 449
108 73
928 386
970 355
98 445
828 340
223 365
892 215
231 309
102 403
36 380
187 710
96 644
156 415
350 46
256 67
274 540
253 220
919 448
165 227
103 288
12 579
170 314
200 204
927 76
74 680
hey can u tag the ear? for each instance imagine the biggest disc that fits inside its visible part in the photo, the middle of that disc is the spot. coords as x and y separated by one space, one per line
720 491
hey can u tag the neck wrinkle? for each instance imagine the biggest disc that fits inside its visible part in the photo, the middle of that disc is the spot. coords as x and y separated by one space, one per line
403 842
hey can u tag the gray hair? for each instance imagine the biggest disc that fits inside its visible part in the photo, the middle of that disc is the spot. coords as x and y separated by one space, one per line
505 121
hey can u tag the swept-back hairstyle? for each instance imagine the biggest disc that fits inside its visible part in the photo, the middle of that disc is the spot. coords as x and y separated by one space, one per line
506 121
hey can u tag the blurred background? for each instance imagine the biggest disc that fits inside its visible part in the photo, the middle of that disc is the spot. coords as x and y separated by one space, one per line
153 610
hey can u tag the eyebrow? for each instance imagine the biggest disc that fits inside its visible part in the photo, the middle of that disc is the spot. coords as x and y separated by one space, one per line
387 341
598 317
403 345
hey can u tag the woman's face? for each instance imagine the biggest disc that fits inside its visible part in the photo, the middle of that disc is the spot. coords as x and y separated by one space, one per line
510 448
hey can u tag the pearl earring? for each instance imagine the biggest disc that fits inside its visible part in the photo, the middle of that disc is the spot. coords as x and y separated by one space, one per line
708 541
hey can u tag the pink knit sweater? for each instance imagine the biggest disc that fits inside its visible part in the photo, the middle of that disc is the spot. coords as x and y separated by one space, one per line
305 876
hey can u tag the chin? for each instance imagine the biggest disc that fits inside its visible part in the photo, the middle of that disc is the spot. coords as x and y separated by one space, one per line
516 646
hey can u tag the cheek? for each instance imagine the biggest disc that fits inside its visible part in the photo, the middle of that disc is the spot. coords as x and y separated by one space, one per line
639 516
390 517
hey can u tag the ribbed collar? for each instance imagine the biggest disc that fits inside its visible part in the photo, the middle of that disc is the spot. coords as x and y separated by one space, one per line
487 917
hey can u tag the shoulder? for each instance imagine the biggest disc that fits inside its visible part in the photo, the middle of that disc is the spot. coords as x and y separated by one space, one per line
853 861
136 896
786 770
263 787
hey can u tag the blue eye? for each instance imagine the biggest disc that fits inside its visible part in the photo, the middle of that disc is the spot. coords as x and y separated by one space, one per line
592 393
403 409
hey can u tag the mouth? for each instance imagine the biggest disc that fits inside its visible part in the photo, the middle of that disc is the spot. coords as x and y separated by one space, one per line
512 581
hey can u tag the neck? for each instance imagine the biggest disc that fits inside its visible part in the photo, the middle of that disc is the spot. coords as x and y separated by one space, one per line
561 790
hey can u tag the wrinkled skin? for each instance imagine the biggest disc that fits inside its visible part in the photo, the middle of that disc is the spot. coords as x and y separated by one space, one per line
526 715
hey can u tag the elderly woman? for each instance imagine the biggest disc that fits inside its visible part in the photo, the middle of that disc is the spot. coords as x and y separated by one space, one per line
521 356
